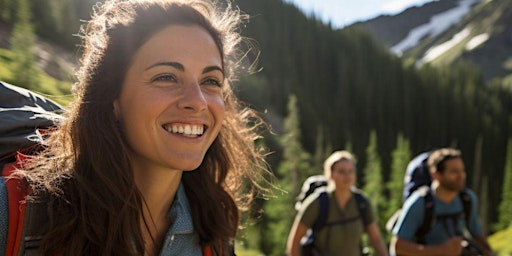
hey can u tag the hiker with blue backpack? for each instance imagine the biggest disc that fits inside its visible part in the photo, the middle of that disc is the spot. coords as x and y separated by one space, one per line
152 154
332 219
441 218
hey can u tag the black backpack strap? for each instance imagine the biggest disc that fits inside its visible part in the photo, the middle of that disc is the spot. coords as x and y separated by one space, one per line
466 204
362 206
35 226
428 220
323 202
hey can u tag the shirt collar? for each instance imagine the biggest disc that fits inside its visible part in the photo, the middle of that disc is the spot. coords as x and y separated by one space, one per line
180 213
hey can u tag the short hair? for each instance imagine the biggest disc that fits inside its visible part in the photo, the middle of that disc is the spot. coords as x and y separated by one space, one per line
436 161
337 156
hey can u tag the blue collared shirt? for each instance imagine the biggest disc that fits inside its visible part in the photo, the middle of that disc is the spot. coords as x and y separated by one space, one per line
181 239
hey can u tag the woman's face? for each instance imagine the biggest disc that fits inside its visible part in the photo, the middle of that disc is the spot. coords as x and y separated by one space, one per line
343 174
171 104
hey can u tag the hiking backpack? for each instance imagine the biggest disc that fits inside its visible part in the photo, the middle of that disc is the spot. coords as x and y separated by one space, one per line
24 117
316 185
417 174
417 177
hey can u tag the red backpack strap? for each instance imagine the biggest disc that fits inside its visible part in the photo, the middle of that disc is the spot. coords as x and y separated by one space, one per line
207 251
16 199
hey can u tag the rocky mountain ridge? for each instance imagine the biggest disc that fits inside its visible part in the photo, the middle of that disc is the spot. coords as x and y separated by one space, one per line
446 31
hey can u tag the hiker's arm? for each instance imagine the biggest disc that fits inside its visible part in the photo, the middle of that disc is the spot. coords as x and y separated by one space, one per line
376 239
482 242
404 247
296 233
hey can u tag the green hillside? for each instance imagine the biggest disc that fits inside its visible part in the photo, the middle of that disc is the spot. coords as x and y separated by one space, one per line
49 86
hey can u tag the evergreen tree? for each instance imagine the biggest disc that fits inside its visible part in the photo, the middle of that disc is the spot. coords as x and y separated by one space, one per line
401 156
505 208
372 173
6 9
348 146
484 204
292 171
23 39
476 182
321 150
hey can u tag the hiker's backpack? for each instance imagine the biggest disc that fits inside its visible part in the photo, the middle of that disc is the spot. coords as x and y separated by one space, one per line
317 186
24 117
315 183
417 177
417 174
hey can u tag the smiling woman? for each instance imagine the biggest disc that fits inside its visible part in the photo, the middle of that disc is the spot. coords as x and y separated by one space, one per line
156 148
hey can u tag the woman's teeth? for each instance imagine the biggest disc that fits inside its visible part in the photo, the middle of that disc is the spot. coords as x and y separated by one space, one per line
186 130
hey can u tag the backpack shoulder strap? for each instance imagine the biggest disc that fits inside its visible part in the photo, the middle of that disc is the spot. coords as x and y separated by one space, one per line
207 251
428 220
323 202
362 206
466 204
16 195
36 224
27 221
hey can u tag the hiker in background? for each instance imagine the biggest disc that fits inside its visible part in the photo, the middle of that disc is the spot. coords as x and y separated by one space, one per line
153 152
344 225
447 235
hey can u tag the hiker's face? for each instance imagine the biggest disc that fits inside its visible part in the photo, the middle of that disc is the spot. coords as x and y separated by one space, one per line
343 174
171 105
454 176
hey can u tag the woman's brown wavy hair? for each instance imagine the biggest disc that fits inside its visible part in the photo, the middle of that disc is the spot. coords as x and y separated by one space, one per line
95 206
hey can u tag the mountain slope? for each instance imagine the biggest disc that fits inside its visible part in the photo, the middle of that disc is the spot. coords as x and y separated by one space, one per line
476 31
390 30
437 25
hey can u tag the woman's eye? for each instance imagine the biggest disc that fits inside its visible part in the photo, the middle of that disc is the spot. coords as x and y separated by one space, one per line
212 81
163 78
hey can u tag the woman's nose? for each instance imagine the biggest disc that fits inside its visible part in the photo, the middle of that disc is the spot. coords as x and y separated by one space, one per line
193 97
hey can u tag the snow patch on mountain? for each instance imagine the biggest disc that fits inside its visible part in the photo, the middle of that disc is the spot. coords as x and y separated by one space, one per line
477 41
438 50
437 25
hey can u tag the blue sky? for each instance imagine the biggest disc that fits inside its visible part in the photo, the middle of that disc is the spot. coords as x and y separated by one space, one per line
346 12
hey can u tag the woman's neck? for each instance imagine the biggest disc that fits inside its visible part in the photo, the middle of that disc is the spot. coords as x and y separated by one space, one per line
342 196
343 192
158 188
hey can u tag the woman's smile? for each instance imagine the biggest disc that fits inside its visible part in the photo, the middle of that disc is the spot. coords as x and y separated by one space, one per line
187 130
171 105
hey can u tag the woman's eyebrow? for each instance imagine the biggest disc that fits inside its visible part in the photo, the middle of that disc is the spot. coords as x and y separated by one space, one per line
176 65
180 67
213 68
